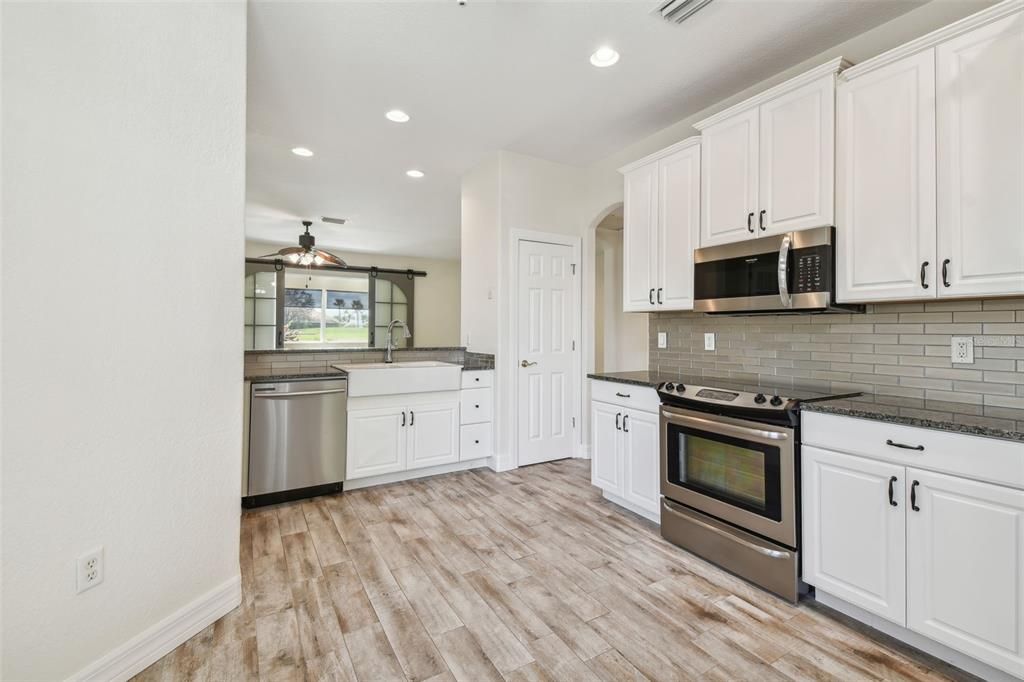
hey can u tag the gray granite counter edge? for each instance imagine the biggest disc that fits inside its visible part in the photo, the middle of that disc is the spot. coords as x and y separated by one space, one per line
333 374
967 429
276 351
624 380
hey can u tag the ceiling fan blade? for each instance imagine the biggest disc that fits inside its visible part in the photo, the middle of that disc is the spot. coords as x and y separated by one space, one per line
330 258
335 221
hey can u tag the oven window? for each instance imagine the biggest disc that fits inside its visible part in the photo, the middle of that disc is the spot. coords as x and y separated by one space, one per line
742 473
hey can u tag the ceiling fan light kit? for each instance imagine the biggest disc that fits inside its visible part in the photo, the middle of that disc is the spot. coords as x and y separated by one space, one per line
306 252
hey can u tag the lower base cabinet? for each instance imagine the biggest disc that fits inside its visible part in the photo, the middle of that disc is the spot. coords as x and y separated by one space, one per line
625 455
938 554
388 438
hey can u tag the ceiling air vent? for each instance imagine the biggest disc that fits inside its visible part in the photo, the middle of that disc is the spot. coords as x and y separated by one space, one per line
678 11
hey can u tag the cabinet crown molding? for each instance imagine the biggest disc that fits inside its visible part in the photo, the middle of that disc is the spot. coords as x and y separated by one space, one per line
936 37
833 66
662 153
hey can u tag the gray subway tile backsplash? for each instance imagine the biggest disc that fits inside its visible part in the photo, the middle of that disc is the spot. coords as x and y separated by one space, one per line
897 353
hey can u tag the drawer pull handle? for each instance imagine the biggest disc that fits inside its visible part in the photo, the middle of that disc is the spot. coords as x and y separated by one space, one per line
892 501
904 446
623 395
476 442
477 406
913 495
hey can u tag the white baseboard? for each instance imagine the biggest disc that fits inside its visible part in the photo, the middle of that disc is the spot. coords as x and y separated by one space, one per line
647 514
152 644
399 476
936 649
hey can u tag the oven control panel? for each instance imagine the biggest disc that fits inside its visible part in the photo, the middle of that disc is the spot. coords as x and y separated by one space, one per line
715 394
811 269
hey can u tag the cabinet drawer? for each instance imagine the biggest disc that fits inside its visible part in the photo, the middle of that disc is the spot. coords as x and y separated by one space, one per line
986 459
625 395
478 378
477 405
476 441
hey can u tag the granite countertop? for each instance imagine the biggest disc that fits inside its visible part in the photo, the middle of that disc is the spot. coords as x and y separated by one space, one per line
328 349
864 411
330 374
637 378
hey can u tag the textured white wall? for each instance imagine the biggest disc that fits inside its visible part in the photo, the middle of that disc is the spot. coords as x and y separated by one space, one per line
481 230
123 132
437 295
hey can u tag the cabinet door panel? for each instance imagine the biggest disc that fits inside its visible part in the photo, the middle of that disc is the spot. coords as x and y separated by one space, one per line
376 442
965 562
854 539
433 434
885 226
797 159
641 458
980 79
605 447
728 179
678 227
639 239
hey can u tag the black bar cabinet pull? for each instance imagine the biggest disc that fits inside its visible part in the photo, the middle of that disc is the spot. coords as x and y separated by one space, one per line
412 417
945 273
618 415
650 297
750 224
892 500
903 445
403 418
624 418
913 495
924 266
659 296
760 220
622 395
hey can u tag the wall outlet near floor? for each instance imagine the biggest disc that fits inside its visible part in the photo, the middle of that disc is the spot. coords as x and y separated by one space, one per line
962 350
662 340
709 341
90 569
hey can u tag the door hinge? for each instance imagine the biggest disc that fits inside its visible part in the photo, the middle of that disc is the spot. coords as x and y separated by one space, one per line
573 266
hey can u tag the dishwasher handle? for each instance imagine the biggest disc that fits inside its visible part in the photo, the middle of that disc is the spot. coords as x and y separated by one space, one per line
295 393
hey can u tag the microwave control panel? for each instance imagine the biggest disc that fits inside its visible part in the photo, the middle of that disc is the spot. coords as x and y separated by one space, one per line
811 269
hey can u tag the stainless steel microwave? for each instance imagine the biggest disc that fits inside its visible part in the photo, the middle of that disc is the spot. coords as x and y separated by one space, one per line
793 272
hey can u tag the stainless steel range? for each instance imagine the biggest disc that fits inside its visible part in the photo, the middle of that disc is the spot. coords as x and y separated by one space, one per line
730 478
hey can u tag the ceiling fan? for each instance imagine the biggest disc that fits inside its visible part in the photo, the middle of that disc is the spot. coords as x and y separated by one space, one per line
306 252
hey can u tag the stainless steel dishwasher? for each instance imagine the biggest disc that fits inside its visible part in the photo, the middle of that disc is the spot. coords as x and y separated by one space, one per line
297 432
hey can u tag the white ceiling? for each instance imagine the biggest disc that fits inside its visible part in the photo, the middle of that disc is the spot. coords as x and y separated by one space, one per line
487 76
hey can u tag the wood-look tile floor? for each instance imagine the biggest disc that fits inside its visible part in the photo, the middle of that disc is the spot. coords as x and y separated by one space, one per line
523 575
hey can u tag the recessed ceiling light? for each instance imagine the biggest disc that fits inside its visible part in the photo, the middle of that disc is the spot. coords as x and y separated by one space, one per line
414 173
397 116
302 151
604 56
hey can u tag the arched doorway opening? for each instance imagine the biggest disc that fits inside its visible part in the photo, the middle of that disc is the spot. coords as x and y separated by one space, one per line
620 339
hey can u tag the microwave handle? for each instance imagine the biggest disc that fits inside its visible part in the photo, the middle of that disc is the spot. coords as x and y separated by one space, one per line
787 300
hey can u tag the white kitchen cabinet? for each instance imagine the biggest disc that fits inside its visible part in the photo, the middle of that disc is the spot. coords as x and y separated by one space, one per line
476 414
729 179
768 163
641 458
854 536
980 99
377 441
660 229
639 238
625 446
433 434
930 163
965 562
941 560
605 447
390 434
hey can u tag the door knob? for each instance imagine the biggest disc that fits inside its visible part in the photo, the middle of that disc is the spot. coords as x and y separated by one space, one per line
525 363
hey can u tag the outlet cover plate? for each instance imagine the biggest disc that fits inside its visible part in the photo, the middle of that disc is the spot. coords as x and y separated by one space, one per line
961 350
90 569
709 341
662 340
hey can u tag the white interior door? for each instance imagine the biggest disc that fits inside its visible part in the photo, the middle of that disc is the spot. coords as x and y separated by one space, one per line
981 160
547 383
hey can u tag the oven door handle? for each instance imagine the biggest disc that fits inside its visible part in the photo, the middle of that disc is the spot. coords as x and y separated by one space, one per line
721 427
787 300
772 553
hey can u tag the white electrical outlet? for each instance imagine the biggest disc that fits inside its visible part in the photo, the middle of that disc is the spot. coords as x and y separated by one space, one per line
662 340
709 341
961 349
90 569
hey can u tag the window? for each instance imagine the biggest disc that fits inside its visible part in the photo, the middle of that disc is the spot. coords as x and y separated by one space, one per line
260 330
392 301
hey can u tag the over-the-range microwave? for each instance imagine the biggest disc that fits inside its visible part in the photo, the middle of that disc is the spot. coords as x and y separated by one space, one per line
793 272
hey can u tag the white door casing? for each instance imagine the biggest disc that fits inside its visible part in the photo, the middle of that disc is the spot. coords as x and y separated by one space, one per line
980 117
547 318
885 198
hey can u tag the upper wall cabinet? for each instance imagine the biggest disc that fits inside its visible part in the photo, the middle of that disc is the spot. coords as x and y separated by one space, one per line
768 163
930 165
661 226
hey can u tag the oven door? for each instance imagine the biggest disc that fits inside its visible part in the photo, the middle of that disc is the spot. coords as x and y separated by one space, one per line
741 472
